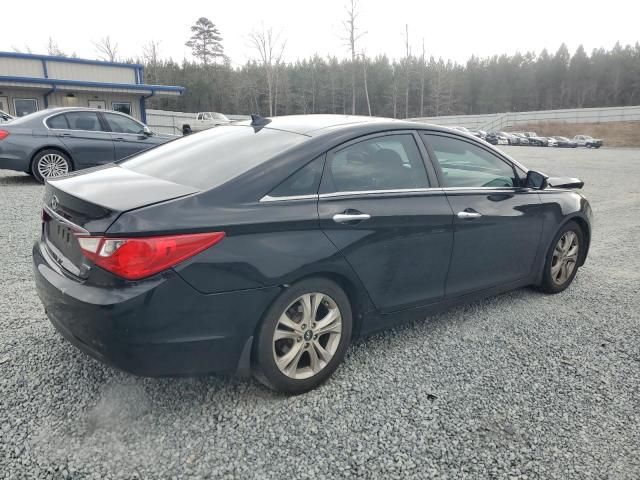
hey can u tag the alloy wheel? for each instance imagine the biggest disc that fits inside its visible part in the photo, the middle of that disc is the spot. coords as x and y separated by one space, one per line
307 335
565 257
52 165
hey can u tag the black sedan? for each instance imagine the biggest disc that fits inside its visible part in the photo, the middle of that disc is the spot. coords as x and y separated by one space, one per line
267 246
56 141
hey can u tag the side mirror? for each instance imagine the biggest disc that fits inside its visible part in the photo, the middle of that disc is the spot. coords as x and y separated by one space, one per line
147 131
537 180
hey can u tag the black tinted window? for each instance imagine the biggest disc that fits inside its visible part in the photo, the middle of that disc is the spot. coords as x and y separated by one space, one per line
84 121
59 121
464 164
213 157
304 182
381 163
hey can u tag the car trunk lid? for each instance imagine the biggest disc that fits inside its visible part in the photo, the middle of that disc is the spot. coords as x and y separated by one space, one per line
88 203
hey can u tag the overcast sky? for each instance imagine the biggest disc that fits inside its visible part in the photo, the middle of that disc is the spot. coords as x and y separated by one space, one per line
451 29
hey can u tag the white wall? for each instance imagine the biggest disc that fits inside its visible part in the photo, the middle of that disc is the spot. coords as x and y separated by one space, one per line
498 121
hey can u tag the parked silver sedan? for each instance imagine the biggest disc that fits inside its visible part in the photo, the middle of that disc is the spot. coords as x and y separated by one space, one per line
56 141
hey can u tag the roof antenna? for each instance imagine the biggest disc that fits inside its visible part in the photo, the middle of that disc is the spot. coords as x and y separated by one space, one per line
258 121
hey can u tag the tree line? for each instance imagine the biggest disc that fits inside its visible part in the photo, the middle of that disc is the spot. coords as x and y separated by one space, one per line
413 86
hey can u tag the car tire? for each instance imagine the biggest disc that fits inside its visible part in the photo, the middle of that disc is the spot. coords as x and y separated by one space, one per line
50 163
302 357
563 258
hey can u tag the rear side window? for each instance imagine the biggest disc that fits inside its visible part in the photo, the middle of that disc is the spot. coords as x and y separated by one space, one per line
304 182
58 122
464 164
87 121
390 162
208 159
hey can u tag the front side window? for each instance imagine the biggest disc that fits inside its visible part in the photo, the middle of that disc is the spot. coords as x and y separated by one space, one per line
381 163
87 121
206 116
122 107
464 164
122 124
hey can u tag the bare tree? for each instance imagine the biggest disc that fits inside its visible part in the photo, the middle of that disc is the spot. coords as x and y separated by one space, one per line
107 49
407 72
422 80
26 49
270 50
53 49
151 56
366 85
353 35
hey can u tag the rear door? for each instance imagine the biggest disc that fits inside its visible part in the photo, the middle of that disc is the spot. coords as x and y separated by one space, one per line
128 135
378 205
498 223
86 138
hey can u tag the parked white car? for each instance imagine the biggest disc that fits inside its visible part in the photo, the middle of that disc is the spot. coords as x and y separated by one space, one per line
204 121
587 141
552 142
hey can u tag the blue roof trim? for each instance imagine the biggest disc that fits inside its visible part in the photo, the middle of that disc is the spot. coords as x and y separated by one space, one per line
52 58
79 83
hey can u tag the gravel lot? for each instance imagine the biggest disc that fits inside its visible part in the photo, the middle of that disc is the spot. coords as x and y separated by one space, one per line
519 386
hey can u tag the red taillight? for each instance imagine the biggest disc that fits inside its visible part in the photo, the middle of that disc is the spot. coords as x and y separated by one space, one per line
3 134
137 258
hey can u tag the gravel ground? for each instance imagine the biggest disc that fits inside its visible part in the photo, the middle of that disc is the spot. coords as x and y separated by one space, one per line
519 386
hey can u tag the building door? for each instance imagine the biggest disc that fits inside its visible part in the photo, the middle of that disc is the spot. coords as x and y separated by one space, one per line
99 104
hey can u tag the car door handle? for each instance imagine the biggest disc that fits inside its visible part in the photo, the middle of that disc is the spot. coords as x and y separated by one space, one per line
64 134
350 217
469 215
118 139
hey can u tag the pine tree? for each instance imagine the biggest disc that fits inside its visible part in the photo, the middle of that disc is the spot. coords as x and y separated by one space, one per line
206 41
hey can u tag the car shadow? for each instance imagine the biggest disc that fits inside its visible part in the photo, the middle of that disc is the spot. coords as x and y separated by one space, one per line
18 180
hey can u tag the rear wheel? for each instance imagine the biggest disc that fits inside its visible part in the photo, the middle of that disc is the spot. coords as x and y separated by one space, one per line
562 259
50 163
303 337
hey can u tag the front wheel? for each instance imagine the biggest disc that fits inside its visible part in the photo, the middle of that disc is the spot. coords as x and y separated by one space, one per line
304 336
50 163
563 258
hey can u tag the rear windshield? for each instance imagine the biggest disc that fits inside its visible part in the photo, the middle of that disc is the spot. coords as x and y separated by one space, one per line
209 159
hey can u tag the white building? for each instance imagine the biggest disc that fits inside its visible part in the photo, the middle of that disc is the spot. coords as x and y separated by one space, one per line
33 82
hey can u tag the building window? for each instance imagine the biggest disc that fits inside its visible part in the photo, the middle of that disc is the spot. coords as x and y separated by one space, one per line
122 107
25 106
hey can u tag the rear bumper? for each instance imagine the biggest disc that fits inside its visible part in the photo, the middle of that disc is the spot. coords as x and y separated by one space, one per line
157 327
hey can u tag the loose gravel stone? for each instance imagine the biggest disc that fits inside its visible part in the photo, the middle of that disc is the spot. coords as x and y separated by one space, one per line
523 385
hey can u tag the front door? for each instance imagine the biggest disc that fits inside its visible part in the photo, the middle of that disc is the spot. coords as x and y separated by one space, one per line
128 135
377 206
86 139
498 223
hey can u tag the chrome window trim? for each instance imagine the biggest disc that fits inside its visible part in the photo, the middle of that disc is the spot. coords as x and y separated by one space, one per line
381 192
92 110
61 219
269 198
355 193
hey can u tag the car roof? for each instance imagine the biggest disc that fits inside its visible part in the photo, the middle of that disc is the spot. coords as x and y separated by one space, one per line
319 124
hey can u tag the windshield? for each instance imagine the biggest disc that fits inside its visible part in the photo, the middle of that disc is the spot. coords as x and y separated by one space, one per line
219 116
209 159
